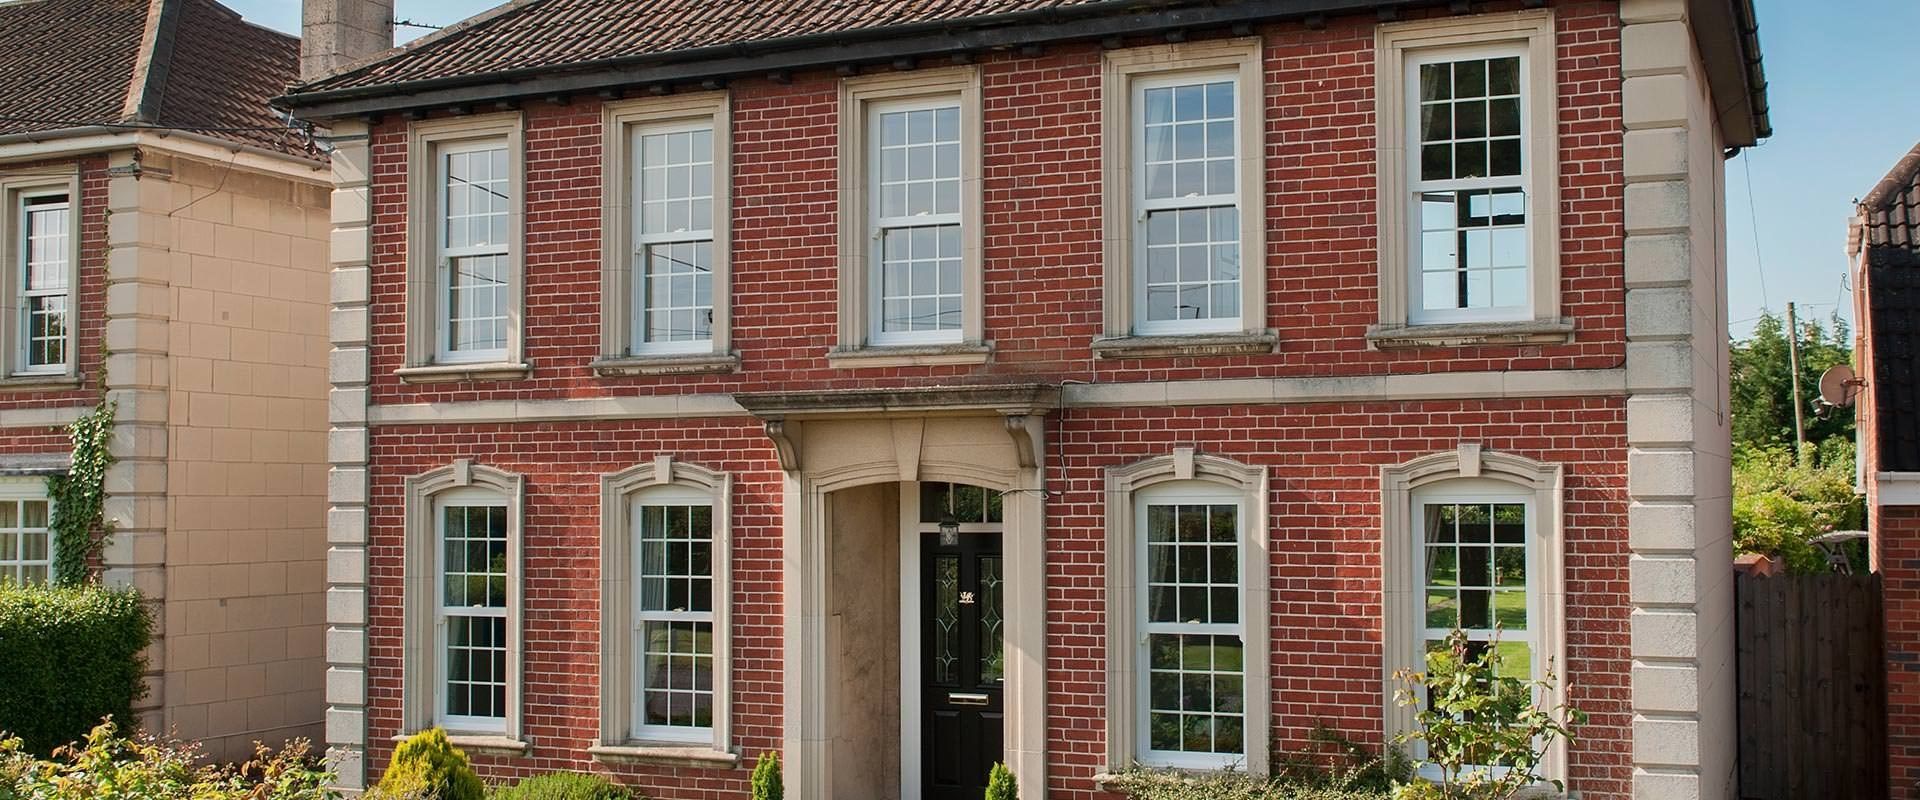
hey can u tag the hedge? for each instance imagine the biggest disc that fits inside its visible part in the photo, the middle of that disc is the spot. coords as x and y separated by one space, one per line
70 657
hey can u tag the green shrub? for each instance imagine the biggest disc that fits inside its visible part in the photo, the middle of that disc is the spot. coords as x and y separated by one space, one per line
1331 760
563 786
766 778
429 767
1471 717
1780 503
1141 783
71 657
1000 784
108 767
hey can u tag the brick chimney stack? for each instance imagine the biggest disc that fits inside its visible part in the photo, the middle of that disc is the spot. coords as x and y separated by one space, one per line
335 33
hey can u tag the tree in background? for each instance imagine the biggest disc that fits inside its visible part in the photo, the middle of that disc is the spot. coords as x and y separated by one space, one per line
1781 502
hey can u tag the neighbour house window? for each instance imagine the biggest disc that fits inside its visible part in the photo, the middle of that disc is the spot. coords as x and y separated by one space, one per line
1194 701
910 240
476 201
26 543
664 562
1188 183
464 269
46 279
462 651
1187 640
674 248
1469 213
1185 202
473 611
1470 181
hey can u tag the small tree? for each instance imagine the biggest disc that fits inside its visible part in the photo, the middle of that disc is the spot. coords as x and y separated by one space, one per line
766 777
427 765
1473 718
1000 784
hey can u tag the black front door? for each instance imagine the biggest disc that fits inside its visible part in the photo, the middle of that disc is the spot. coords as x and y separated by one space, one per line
961 664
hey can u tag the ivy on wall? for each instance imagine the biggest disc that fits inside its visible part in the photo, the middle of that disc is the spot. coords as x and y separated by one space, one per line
79 496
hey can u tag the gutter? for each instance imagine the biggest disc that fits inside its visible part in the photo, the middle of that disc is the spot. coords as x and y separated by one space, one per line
67 142
872 45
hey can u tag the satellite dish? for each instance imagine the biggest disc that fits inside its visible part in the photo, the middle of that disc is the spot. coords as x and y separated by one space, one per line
1838 386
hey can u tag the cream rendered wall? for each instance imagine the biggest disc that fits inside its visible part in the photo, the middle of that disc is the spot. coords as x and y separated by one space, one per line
246 460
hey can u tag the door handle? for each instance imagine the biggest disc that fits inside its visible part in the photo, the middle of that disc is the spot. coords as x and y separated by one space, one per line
967 699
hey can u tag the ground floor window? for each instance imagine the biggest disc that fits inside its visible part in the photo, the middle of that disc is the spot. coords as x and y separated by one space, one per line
26 542
1476 576
673 618
473 620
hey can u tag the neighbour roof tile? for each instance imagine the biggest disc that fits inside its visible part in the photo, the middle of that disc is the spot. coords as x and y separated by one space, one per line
558 34
1889 219
199 66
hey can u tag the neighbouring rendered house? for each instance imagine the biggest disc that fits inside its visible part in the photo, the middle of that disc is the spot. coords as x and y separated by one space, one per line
163 247
1883 245
906 387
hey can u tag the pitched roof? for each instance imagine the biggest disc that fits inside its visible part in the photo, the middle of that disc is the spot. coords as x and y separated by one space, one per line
1890 214
557 34
183 64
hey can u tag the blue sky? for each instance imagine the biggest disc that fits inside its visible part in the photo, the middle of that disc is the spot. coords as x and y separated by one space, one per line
1844 110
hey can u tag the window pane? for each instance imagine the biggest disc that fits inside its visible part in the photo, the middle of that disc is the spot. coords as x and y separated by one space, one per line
676 663
1476 256
1202 247
476 676
475 189
920 279
1477 579
44 269
477 303
1196 699
1188 142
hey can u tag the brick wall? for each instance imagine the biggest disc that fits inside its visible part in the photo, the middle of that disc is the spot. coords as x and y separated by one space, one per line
1896 531
1042 229
1326 604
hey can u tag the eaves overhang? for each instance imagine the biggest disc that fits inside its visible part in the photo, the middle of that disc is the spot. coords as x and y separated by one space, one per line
883 45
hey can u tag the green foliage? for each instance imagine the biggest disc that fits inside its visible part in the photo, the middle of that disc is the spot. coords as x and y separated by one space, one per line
69 657
1141 783
1000 784
428 766
766 778
108 767
563 786
1471 717
1762 389
1333 761
1780 505
78 496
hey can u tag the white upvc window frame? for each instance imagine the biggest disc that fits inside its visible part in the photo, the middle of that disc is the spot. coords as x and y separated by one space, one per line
862 99
623 736
1130 489
624 349
1418 185
878 224
17 491
640 299
1177 494
1145 206
423 667
673 496
1470 475
1126 74
16 194
1400 47
444 614
429 355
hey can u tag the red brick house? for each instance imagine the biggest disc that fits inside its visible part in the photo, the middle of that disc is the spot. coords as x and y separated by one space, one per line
1069 383
163 246
1886 260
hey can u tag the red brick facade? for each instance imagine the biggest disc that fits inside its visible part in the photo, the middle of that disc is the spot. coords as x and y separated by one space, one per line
1042 196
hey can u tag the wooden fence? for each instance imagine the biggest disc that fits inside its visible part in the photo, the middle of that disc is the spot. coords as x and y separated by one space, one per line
1812 683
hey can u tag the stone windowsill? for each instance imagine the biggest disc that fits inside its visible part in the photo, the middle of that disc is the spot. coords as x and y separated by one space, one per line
666 364
485 744
1189 345
908 355
450 373
28 381
672 755
1526 332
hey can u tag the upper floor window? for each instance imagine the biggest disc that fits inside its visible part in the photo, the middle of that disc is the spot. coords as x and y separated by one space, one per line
40 236
26 541
910 236
1186 210
1470 184
466 225
1468 180
665 280
46 279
